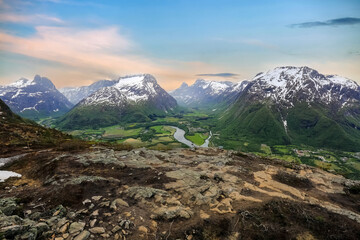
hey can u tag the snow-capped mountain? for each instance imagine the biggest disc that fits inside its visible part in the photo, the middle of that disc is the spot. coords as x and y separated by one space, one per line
131 98
296 105
132 90
34 98
287 85
76 94
206 93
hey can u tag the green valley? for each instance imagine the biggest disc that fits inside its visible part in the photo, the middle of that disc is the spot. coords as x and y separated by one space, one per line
158 134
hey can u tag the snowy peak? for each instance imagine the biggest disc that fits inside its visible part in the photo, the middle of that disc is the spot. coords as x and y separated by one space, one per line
134 87
282 76
214 87
335 79
22 82
32 98
130 89
239 87
290 84
205 93
107 95
138 87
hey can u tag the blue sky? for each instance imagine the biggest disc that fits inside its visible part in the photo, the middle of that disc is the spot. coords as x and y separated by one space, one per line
78 42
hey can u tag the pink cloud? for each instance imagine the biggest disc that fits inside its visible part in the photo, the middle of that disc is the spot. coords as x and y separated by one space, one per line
28 19
88 55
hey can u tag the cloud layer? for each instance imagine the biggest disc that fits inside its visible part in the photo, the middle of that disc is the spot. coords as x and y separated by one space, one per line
331 22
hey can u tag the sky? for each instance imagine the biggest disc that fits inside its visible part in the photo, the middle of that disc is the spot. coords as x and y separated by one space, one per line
75 43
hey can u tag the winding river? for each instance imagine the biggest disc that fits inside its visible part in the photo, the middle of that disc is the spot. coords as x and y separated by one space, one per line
179 135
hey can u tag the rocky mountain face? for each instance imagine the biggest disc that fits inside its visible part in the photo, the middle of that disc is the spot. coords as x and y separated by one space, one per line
100 193
76 94
297 105
204 94
35 98
130 99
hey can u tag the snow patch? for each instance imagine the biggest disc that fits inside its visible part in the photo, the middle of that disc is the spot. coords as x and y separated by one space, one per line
21 83
7 174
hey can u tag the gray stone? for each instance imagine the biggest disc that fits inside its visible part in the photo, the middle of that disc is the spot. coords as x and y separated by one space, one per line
35 216
104 204
6 221
169 213
117 203
83 235
116 228
97 230
144 192
96 198
76 227
42 227
93 222
11 231
8 206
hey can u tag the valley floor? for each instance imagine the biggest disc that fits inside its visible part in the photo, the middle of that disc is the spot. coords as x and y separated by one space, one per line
159 135
205 193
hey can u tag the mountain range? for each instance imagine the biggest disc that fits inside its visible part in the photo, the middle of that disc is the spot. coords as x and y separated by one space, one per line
130 99
35 98
285 105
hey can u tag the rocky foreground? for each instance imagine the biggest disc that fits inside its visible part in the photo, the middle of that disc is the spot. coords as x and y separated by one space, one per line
100 193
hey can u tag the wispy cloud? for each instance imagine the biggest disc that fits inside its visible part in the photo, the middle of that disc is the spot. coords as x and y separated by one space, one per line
223 75
85 55
331 22
29 19
354 52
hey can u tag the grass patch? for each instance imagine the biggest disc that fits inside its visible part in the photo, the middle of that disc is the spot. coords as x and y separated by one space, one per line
197 138
120 131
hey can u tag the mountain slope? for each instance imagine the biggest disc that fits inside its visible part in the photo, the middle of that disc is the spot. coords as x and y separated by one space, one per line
16 132
207 94
130 99
296 105
76 94
35 98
